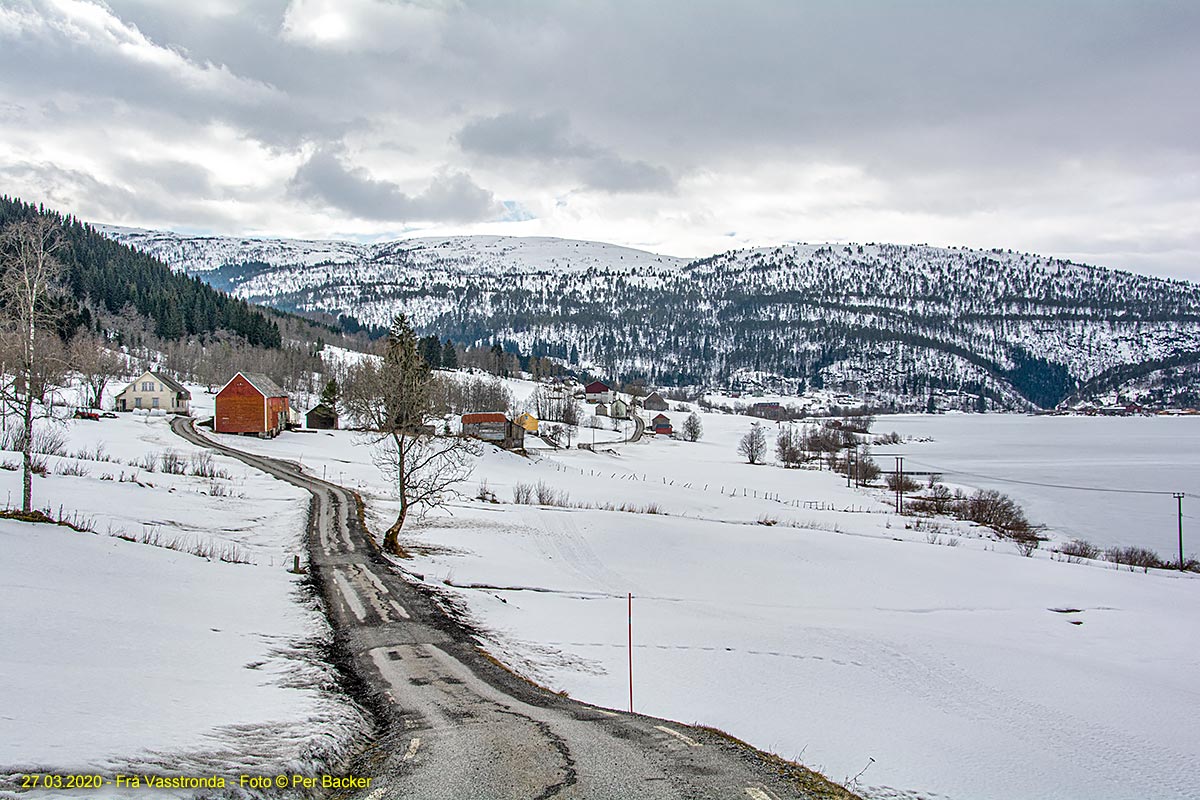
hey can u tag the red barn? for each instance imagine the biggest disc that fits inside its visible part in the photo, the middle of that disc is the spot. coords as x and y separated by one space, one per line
251 403
662 425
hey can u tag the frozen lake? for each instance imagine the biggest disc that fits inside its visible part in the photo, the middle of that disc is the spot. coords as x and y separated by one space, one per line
995 451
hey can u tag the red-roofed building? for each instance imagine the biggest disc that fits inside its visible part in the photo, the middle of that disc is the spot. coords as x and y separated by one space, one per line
597 392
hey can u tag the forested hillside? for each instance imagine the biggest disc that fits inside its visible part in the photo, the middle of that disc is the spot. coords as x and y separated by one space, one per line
106 276
890 323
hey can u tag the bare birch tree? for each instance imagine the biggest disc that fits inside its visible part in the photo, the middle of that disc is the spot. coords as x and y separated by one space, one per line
96 364
29 274
392 398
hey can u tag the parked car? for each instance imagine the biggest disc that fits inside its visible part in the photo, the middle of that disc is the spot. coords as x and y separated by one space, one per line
87 413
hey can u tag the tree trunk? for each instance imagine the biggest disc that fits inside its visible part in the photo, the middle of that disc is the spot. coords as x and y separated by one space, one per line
391 538
98 389
27 456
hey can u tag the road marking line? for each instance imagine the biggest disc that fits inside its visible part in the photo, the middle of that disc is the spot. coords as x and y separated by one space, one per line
689 741
344 525
412 749
350 596
374 579
367 592
321 531
758 794
399 609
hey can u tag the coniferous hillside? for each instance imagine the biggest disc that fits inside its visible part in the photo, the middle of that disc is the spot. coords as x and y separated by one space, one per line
105 276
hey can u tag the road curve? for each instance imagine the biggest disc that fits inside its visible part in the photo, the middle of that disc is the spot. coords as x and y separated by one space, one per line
639 425
457 725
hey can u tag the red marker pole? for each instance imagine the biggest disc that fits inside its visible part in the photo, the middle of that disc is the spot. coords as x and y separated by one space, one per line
631 652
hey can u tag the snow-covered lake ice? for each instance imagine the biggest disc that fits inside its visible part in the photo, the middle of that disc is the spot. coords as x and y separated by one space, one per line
1019 455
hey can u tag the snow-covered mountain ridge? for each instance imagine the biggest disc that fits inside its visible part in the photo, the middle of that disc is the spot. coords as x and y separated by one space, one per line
891 323
497 254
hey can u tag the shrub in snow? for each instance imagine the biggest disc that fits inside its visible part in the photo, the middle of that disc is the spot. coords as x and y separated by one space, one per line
893 482
173 463
1133 557
935 502
753 446
547 495
522 493
1078 549
789 449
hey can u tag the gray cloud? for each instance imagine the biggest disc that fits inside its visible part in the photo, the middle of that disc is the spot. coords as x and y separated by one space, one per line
83 194
453 197
940 114
547 138
521 135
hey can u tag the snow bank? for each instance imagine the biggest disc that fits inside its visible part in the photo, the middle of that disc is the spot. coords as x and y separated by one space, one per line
121 655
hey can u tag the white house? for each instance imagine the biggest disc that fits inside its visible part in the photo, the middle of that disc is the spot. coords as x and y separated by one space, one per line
619 409
153 390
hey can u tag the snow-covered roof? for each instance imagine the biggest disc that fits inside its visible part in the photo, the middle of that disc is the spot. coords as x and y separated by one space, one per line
165 380
262 383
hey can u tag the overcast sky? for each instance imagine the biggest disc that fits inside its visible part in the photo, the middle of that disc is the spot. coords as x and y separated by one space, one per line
680 126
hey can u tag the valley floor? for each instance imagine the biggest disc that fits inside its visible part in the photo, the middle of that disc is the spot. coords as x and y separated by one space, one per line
839 634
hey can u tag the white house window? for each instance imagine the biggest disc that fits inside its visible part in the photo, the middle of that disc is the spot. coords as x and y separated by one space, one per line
137 402
147 386
155 401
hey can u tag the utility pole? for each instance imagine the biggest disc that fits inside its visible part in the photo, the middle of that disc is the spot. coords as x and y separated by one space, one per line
1179 506
630 652
899 484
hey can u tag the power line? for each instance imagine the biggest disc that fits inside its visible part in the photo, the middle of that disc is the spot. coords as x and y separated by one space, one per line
1045 485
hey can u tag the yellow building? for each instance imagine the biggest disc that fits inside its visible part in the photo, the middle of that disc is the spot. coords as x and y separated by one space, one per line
527 421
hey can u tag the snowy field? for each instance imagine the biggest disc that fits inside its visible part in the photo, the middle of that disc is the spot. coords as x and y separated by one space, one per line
123 655
936 659
1015 453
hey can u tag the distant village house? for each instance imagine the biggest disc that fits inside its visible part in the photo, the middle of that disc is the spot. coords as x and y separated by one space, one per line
655 402
662 425
619 409
772 411
155 391
597 392
494 427
321 418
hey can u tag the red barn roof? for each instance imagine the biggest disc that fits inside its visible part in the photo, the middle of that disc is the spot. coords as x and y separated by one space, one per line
485 416
596 387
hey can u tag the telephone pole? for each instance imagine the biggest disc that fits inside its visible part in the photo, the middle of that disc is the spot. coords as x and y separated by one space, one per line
1179 506
899 484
